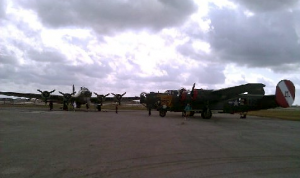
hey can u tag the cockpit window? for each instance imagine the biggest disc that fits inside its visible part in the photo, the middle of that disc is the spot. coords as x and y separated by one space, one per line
84 89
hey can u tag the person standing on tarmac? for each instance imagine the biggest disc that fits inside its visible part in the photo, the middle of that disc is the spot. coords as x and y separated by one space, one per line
149 108
51 105
187 110
74 106
117 107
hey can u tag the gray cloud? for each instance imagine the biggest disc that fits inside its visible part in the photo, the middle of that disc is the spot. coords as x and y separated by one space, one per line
208 75
173 78
267 40
187 49
263 6
3 4
54 73
47 55
7 57
112 16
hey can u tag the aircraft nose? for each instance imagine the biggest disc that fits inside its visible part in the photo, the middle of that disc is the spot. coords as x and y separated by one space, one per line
87 94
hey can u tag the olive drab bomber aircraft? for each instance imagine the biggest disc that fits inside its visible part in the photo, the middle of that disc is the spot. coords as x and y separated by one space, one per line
237 99
82 97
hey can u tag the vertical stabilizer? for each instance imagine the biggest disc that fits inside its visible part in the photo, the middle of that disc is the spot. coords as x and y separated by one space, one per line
285 93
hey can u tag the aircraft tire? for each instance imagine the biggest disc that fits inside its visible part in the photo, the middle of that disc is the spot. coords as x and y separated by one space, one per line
162 113
206 114
243 116
65 107
192 113
98 107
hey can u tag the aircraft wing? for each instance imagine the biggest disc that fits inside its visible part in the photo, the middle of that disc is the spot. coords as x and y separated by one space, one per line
251 88
130 98
113 99
25 95
31 95
96 100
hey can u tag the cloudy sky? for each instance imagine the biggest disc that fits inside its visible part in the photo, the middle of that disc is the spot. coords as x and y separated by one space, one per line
141 46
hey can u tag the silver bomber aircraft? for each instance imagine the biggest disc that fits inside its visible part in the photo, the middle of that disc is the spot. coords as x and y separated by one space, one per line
82 97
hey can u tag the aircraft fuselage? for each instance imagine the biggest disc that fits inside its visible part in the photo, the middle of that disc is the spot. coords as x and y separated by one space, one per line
83 96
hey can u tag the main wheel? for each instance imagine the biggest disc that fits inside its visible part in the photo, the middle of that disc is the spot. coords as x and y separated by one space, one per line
206 114
243 116
162 113
65 107
192 113
99 107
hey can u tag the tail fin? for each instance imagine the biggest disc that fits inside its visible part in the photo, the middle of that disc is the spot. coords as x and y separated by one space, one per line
285 93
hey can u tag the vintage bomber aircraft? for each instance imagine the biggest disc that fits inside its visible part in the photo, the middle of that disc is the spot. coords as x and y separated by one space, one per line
117 99
82 97
227 100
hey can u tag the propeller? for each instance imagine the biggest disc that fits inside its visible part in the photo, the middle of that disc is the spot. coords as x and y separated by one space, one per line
68 96
45 94
101 98
192 92
143 97
119 97
73 89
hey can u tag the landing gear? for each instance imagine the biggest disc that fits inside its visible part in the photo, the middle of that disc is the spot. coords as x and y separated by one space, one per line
162 113
192 113
183 114
51 105
206 113
65 106
243 115
99 107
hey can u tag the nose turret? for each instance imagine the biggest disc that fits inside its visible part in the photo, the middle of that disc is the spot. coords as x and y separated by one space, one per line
87 93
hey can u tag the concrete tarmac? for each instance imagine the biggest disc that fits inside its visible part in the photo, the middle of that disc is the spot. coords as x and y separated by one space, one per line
40 143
